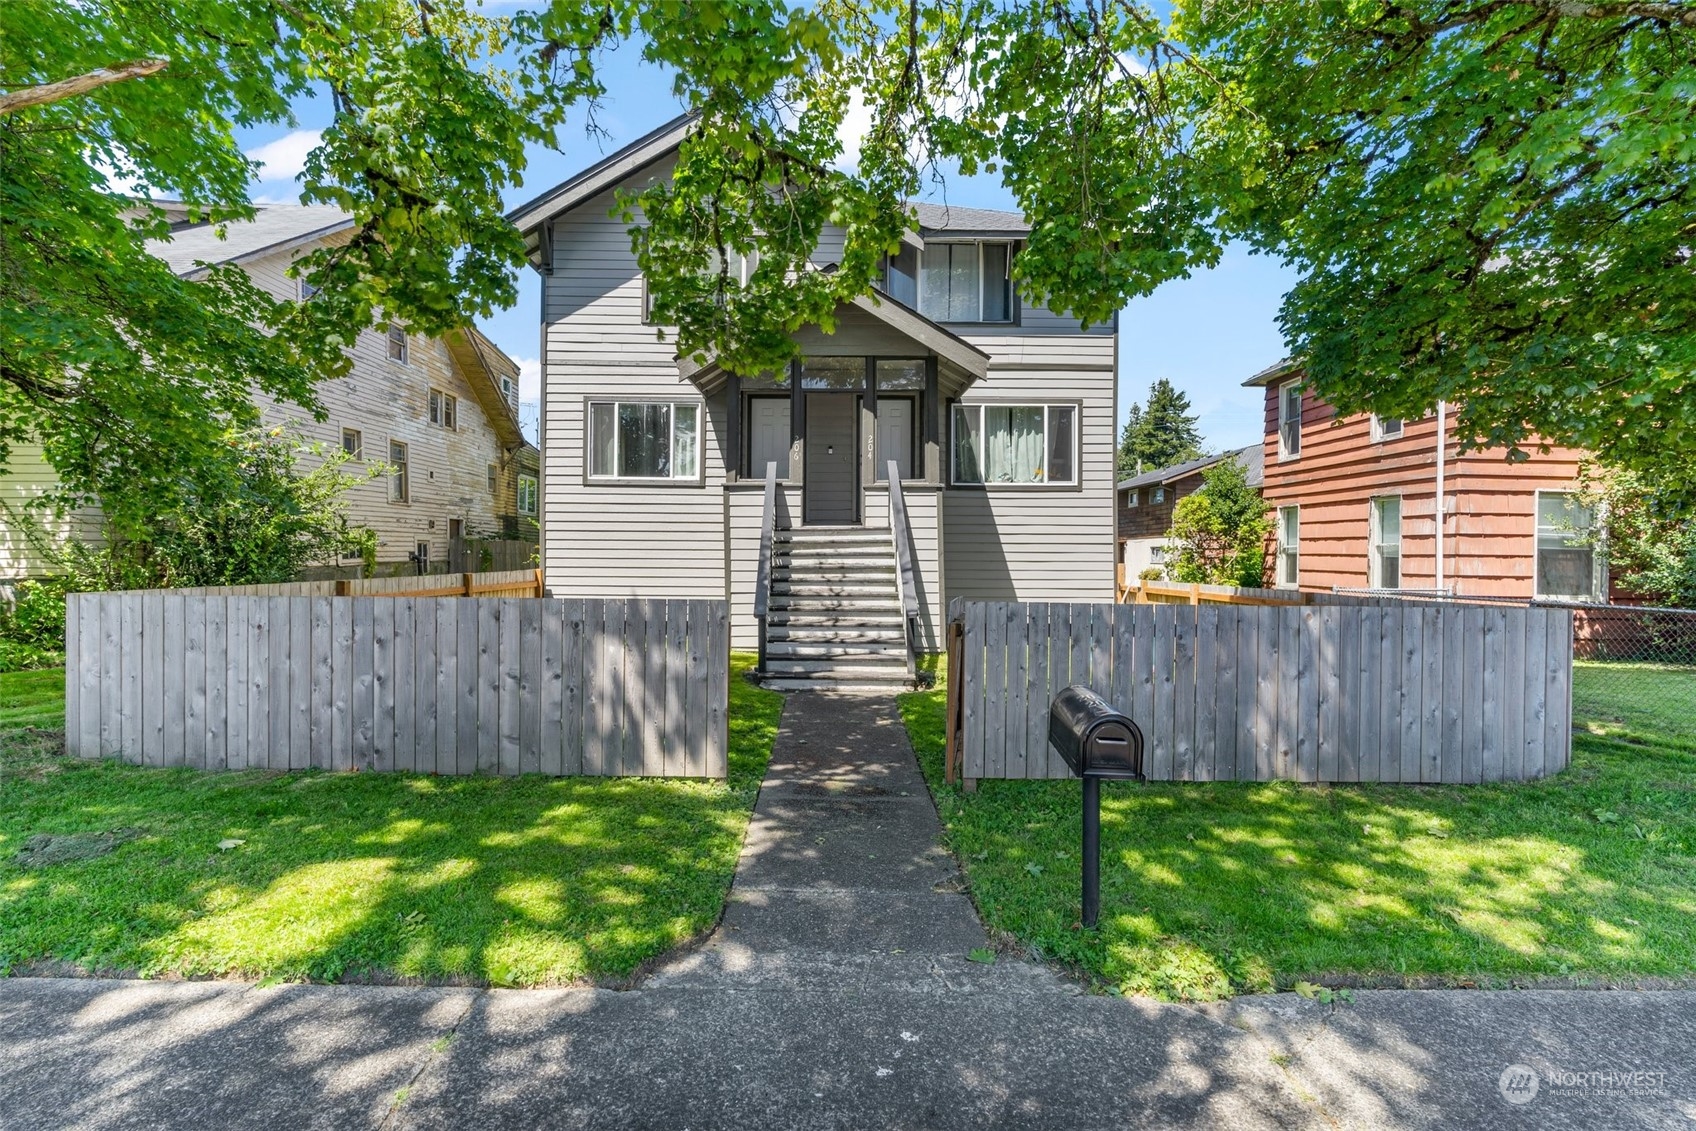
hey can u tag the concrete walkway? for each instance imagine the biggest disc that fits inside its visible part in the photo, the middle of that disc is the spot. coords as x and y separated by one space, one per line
836 993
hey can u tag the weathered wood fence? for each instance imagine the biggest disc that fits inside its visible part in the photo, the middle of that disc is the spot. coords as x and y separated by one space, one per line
478 685
1395 693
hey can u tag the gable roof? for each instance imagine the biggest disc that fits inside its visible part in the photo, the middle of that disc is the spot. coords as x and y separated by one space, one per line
483 364
1275 372
603 174
1253 459
276 227
950 219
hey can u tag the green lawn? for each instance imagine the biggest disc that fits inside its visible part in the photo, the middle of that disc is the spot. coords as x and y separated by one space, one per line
1211 890
506 881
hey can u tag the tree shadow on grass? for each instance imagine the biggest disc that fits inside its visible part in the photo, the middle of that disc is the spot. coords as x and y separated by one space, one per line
514 881
1220 888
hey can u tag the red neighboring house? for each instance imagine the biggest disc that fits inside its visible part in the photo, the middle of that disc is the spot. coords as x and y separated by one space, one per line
1356 506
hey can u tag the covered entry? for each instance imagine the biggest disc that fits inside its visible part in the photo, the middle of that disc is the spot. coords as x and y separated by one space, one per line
830 489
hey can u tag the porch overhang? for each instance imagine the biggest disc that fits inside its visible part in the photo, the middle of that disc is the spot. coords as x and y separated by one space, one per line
960 364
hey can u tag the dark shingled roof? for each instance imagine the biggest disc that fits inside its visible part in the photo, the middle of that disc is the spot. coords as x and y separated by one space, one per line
943 218
1253 459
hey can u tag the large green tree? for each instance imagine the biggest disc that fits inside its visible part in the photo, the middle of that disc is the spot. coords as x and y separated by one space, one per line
131 377
1487 201
1160 433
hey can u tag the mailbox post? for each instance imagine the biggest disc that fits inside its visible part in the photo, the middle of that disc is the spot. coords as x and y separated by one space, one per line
1098 743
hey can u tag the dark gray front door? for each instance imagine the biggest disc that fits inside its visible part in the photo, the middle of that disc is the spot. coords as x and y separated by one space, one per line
832 484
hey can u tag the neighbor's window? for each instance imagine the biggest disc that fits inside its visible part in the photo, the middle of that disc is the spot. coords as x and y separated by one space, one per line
1132 498
526 494
493 481
644 440
901 276
397 344
1015 444
353 443
1158 495
1384 561
444 409
307 290
966 282
400 480
1386 427
1289 420
1288 566
1567 563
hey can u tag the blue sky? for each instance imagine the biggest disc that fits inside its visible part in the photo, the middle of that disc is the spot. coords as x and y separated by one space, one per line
1206 333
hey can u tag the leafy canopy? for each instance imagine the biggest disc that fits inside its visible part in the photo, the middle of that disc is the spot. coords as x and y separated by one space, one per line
129 377
1219 531
1159 434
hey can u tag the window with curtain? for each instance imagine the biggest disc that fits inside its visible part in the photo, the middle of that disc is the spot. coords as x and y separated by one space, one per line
966 282
1386 552
1015 444
1567 565
644 440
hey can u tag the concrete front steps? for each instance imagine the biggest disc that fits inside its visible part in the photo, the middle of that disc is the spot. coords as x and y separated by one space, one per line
835 622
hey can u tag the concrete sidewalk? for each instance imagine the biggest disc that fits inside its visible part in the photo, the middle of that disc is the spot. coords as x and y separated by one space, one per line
836 993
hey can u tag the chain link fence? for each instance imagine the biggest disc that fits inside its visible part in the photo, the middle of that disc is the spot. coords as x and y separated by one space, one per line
1634 667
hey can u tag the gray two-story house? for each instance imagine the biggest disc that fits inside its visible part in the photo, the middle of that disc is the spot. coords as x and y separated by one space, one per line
998 416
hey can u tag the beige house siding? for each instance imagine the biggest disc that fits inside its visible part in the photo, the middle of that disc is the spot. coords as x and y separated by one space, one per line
25 479
385 401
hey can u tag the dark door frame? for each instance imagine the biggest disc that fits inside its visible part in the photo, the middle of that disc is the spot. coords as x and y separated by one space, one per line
853 461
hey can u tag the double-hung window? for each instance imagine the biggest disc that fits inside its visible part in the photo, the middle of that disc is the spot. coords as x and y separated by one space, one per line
644 440
400 477
1289 419
1384 562
1015 444
966 282
1288 565
397 344
444 409
1568 566
1386 427
353 443
527 494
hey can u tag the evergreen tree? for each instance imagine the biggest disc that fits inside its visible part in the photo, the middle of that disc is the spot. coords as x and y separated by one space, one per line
1161 433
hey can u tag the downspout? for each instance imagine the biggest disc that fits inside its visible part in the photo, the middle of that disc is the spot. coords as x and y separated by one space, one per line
1441 510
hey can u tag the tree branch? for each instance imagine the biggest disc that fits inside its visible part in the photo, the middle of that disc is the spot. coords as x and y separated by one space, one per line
78 84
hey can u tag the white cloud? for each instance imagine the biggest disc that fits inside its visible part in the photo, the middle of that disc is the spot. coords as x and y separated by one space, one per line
529 378
856 124
285 157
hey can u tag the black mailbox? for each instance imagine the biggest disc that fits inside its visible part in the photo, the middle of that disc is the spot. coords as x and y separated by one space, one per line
1095 740
1098 743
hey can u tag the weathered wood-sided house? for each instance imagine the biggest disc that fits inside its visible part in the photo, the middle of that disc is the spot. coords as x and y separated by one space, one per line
1146 502
998 415
1356 502
443 411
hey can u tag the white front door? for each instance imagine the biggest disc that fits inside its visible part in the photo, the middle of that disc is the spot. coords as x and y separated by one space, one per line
895 435
768 436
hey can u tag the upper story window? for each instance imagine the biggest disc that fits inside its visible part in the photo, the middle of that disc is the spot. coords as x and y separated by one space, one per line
1289 419
397 344
305 289
444 410
1132 498
644 440
509 392
1158 495
1568 566
1386 427
353 443
1287 568
742 268
494 482
1384 560
967 281
527 494
1015 444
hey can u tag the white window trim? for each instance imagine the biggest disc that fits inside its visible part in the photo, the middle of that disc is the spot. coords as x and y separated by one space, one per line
1378 433
535 494
1280 546
405 357
1599 580
1131 498
1047 407
644 480
303 290
1375 542
1284 453
980 320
